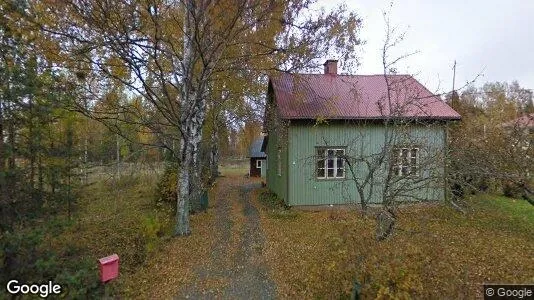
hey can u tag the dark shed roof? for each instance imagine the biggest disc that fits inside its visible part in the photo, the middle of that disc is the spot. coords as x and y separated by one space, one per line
255 149
332 96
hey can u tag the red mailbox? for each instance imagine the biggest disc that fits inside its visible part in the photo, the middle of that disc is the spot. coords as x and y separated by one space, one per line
109 267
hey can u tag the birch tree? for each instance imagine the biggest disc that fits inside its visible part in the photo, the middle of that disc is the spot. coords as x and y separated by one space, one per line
169 51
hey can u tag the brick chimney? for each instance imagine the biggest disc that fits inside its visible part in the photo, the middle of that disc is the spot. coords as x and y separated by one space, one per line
330 67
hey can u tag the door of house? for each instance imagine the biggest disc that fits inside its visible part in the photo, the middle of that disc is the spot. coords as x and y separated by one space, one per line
263 167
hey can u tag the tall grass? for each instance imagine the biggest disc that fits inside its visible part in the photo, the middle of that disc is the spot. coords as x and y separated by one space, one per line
112 215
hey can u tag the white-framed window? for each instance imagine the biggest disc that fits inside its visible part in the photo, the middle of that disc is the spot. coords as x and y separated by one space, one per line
405 161
258 163
330 163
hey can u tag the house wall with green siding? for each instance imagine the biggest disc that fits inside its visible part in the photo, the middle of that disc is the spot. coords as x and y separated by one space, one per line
303 188
277 183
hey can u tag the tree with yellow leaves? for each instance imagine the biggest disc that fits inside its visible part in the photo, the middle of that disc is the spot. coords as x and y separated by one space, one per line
170 53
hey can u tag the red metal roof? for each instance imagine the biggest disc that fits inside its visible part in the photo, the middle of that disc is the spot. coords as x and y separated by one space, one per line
310 96
523 121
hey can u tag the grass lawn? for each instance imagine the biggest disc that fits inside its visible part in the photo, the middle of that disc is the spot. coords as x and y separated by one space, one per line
172 265
107 217
234 168
123 217
435 252
116 217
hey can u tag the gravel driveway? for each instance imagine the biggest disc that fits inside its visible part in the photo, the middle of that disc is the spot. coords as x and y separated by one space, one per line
236 270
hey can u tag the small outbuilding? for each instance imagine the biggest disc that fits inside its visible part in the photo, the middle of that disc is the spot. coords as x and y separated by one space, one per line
258 165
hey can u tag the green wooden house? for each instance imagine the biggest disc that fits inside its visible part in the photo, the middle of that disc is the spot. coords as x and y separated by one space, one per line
321 128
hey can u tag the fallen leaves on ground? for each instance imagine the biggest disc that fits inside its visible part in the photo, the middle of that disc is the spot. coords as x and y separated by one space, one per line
183 261
435 252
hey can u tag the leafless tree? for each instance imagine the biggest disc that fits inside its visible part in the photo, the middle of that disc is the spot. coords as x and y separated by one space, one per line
403 160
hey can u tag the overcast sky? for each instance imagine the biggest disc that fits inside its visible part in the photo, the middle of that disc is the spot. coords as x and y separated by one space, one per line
494 38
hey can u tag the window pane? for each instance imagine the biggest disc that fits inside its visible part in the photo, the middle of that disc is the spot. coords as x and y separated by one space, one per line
413 161
320 164
404 155
330 173
330 163
414 152
404 170
340 172
330 153
413 166
395 170
340 152
395 156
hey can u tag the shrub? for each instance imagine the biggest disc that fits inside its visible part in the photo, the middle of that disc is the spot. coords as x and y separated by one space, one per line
152 231
283 214
80 282
166 187
271 200
25 257
511 189
279 208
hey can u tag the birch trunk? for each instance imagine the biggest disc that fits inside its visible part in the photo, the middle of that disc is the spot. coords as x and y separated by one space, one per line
182 192
214 154
185 157
197 185
189 187
192 116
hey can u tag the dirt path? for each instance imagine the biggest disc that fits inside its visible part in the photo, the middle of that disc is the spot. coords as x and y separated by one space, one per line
236 268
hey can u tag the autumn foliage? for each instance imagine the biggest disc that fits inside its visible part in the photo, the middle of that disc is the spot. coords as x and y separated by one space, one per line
435 251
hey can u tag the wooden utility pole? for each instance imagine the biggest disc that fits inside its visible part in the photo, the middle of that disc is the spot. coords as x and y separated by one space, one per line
118 156
453 75
446 140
